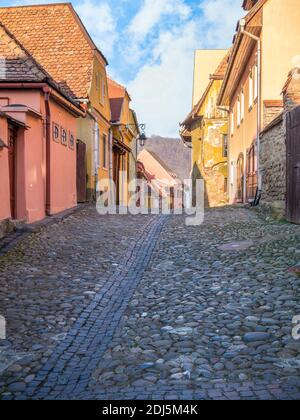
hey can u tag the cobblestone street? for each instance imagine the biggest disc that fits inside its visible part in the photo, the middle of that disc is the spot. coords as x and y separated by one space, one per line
144 307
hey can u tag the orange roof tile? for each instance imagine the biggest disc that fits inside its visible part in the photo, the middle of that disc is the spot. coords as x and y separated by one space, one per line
115 90
57 39
19 66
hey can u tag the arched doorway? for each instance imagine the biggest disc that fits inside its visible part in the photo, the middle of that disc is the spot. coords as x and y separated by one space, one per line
240 179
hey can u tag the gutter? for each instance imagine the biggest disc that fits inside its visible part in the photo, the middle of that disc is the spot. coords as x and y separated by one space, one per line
46 91
59 98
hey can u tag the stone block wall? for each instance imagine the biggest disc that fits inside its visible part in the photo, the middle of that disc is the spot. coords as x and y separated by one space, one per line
273 166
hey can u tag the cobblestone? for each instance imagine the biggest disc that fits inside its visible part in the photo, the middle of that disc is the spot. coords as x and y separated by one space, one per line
123 307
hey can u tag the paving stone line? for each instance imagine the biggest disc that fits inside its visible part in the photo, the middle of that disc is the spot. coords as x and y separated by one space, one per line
68 370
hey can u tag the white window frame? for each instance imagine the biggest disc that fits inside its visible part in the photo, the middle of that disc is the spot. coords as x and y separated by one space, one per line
242 106
251 89
239 111
97 148
105 150
232 123
255 87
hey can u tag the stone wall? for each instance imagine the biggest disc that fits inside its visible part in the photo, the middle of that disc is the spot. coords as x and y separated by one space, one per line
273 166
273 146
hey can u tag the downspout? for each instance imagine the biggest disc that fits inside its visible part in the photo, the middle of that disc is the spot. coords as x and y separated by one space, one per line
111 165
46 92
259 76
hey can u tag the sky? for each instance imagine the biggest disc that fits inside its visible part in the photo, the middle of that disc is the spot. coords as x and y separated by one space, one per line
150 45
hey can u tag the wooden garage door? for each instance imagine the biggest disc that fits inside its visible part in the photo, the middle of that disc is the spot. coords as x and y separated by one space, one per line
293 166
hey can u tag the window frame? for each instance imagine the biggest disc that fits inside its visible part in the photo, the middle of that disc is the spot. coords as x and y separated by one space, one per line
250 86
239 120
104 151
242 99
71 144
64 136
255 84
225 145
54 127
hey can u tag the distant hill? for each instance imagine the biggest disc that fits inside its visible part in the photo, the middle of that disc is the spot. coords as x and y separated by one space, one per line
172 151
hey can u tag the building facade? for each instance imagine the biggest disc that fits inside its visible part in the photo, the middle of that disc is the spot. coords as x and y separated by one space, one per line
206 130
38 131
265 46
55 36
125 131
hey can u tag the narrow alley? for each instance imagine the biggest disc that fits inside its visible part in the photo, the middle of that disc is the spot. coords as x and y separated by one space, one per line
144 307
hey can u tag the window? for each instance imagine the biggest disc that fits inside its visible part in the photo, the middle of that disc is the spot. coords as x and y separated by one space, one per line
250 89
104 145
225 145
71 140
64 138
239 112
255 72
242 106
225 185
103 89
97 148
232 123
56 131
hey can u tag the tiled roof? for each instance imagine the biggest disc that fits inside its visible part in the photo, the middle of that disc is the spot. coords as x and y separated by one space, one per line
116 94
248 4
221 69
115 90
18 65
56 38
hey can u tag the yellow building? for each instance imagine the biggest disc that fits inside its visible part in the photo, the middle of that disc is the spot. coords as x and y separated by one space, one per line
205 63
57 39
265 48
206 130
125 131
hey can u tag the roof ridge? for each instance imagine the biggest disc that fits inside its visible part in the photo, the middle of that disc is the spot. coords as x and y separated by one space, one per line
116 83
162 163
68 3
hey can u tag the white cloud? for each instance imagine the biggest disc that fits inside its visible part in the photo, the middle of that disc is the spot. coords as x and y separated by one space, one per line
221 17
162 89
162 92
151 13
99 20
96 15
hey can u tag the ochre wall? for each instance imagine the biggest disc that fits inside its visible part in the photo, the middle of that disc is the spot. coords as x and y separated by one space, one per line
206 63
208 162
280 44
241 137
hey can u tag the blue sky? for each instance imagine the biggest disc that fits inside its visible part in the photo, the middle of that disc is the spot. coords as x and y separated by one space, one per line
150 48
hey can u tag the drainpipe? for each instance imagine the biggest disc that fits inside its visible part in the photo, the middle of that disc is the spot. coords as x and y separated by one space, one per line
258 41
46 92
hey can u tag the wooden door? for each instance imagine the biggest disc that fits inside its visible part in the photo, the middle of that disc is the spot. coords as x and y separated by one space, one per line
293 166
116 173
240 179
81 172
12 144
